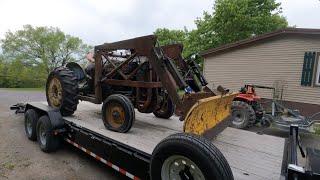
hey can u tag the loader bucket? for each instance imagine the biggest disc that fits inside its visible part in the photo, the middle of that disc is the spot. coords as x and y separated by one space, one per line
207 113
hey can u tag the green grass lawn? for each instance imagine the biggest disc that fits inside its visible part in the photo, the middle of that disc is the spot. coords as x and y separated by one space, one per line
23 89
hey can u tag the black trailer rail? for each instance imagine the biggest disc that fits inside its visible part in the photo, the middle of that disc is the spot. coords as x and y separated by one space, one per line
294 171
127 160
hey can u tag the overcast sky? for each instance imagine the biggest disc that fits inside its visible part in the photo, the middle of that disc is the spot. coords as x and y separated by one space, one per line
99 21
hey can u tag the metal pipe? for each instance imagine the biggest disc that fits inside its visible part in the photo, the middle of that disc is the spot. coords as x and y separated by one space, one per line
293 141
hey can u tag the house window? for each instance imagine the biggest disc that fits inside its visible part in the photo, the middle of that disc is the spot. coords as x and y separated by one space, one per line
317 78
308 69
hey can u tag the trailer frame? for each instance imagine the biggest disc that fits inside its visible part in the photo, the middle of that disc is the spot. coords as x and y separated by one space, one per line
116 154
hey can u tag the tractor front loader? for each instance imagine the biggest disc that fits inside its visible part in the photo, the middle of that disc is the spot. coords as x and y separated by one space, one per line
136 73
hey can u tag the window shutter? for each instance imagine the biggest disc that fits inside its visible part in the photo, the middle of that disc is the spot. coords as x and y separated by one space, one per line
307 70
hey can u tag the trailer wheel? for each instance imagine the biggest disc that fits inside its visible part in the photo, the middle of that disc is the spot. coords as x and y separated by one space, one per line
186 156
62 90
47 140
118 113
166 109
242 114
30 124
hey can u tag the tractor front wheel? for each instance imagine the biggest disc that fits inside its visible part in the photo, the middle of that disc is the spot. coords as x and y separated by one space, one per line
118 113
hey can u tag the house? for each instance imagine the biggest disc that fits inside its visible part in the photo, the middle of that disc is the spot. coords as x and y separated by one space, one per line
287 59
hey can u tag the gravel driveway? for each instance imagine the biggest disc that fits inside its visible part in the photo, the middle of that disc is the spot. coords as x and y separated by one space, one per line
22 159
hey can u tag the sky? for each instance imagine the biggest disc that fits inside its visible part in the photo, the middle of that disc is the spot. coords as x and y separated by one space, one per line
99 21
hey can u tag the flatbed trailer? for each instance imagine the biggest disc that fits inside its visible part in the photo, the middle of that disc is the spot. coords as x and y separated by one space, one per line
250 155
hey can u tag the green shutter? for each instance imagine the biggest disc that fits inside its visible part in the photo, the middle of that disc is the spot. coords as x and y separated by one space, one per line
307 70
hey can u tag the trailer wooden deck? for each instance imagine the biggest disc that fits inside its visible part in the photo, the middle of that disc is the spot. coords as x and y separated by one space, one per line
251 156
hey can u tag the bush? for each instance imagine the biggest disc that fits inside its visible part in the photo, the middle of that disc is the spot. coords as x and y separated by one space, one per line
15 74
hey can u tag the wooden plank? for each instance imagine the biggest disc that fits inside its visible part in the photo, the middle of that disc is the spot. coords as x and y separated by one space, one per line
250 155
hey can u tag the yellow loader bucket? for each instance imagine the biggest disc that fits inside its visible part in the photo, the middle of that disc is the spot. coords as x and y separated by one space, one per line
206 113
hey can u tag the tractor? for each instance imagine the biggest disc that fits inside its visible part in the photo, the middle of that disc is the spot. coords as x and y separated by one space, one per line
246 107
247 111
139 74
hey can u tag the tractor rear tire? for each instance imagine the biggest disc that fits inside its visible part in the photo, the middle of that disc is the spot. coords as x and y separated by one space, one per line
166 110
118 113
62 91
243 115
187 156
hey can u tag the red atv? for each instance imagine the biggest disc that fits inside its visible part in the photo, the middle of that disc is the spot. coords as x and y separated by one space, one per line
246 107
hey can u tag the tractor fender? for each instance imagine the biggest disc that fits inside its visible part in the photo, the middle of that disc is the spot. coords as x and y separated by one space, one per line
246 98
78 71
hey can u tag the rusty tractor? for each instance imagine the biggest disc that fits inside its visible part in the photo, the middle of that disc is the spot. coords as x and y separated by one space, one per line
138 73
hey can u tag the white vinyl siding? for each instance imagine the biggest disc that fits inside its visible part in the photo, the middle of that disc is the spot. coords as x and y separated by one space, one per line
263 63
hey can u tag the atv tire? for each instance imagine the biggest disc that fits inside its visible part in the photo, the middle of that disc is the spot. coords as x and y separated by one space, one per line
243 115
62 90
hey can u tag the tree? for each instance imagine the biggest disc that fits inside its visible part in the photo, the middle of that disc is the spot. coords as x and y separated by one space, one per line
233 20
15 74
167 36
230 21
45 47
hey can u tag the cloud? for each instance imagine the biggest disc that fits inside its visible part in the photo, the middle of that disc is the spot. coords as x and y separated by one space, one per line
99 21
303 14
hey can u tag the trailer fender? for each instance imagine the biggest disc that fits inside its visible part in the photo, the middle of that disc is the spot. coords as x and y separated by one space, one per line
54 115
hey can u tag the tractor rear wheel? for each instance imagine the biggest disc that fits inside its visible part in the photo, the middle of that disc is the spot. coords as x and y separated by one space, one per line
62 91
118 113
242 115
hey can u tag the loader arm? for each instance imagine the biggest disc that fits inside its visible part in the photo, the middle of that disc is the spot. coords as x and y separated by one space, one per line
201 110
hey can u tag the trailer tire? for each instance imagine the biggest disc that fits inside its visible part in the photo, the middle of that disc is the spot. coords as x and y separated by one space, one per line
62 90
48 142
30 124
194 152
166 111
242 115
118 113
